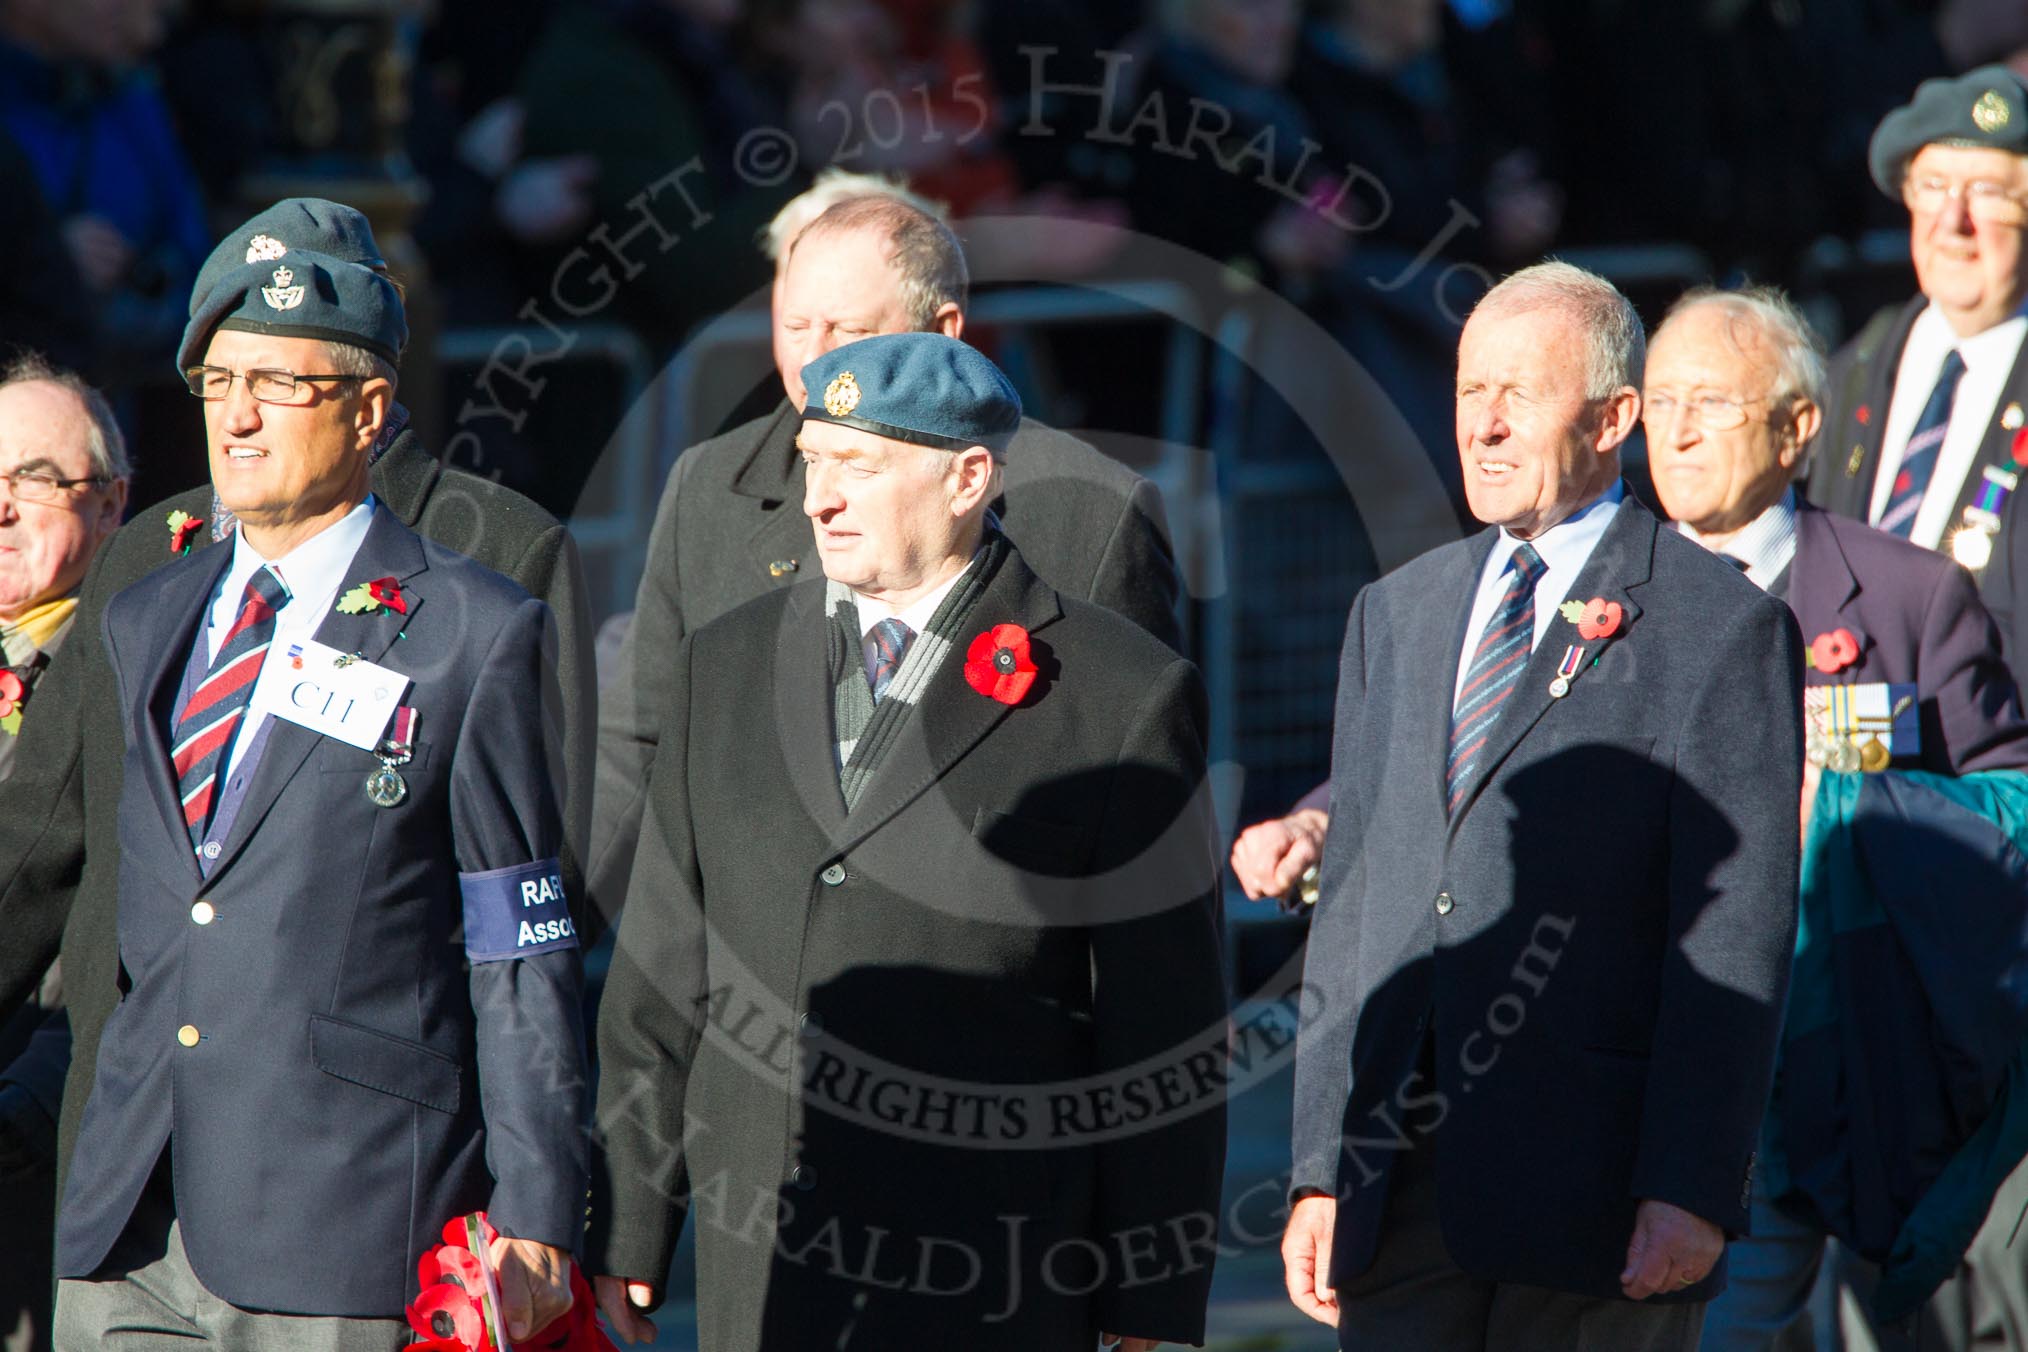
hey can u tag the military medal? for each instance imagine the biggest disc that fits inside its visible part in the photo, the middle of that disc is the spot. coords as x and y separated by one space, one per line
385 787
1573 658
1972 542
1873 756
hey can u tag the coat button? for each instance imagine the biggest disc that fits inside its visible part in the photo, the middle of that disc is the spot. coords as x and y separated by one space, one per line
187 1035
212 849
203 913
803 1177
1444 904
810 1025
833 875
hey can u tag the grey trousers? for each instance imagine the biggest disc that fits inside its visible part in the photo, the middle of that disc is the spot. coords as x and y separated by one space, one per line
147 1299
1415 1297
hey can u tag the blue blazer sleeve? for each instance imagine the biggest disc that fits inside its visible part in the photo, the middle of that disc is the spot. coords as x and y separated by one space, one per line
528 1010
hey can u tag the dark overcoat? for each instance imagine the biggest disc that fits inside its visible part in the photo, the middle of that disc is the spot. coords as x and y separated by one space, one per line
731 527
944 1070
1595 944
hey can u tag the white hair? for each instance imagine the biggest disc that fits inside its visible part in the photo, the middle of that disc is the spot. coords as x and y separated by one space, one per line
833 186
349 359
1798 361
105 444
1614 347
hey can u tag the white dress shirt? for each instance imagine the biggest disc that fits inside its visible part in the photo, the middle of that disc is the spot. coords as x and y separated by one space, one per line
1565 548
915 615
313 572
1989 358
1766 544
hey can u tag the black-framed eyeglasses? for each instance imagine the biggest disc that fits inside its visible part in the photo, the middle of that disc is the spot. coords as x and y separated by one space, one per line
33 485
270 385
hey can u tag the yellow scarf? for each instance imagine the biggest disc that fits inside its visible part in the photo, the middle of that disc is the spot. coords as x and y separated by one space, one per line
41 623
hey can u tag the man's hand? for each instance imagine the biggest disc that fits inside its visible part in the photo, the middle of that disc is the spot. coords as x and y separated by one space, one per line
1671 1249
534 1283
1306 1258
621 1302
1270 857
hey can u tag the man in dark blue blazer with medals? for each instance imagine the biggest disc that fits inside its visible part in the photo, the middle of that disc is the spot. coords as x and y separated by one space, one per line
1545 976
350 989
1733 399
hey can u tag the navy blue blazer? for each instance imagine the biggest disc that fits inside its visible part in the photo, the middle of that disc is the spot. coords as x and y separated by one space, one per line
358 1078
1919 621
1594 947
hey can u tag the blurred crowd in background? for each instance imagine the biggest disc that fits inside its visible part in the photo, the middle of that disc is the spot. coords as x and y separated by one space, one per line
1367 164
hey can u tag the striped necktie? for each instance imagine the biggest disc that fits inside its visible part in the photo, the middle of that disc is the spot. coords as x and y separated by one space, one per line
1918 461
890 644
204 729
1494 670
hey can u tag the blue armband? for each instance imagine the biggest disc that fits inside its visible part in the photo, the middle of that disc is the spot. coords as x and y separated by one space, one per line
515 912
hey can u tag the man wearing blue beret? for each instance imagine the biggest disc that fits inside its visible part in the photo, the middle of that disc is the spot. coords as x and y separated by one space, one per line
59 838
351 987
917 1004
1926 425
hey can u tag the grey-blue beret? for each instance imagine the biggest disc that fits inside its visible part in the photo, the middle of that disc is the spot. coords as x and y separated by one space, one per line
1985 108
300 295
313 223
919 387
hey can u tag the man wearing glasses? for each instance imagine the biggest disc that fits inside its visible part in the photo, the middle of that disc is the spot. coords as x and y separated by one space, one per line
63 483
1923 434
1731 400
347 967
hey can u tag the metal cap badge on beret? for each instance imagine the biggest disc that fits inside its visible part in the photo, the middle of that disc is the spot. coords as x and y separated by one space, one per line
919 387
313 223
1985 108
299 294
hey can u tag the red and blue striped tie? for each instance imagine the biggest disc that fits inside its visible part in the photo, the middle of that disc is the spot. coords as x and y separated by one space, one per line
1495 668
204 729
1925 443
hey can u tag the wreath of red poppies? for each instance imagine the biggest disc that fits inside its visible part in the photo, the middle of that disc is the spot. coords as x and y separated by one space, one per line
447 1315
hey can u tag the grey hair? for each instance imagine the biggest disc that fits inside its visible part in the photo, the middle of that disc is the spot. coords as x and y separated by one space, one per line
348 359
833 186
928 257
1615 348
105 444
1798 360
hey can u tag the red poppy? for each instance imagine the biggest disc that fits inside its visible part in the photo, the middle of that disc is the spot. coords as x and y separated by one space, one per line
998 664
12 692
388 592
451 1263
1601 619
1834 650
454 1230
1864 414
181 531
2020 447
446 1311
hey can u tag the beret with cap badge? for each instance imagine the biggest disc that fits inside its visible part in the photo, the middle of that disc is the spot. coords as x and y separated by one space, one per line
1986 108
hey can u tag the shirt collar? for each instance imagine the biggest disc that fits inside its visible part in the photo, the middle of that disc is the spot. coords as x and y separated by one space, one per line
1569 542
1766 544
313 567
916 615
1996 346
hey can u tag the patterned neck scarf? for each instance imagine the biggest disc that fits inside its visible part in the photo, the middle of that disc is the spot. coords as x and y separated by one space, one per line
865 732
23 638
223 522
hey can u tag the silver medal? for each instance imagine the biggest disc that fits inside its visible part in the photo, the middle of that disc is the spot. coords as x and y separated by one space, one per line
1559 687
386 788
1844 757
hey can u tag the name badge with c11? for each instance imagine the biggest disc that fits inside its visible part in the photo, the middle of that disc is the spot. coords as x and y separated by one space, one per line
327 691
